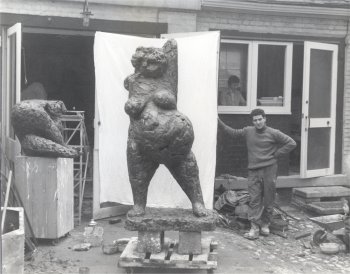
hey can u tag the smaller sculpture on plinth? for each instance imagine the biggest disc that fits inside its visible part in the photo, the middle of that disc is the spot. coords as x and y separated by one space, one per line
158 132
39 129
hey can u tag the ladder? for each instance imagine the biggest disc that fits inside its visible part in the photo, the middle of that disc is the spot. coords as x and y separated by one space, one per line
75 136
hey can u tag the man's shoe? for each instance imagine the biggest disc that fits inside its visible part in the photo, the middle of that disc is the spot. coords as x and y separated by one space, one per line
253 233
265 231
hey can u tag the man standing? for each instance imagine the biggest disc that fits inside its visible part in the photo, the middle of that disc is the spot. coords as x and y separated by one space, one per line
265 145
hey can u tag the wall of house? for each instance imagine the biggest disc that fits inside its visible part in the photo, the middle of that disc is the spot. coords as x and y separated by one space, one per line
178 20
190 20
322 28
346 115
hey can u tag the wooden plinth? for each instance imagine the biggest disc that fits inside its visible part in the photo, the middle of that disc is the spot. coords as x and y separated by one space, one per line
169 256
156 221
45 186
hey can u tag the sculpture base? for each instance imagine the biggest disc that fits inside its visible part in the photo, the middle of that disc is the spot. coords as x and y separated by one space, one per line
171 219
156 221
45 186
169 256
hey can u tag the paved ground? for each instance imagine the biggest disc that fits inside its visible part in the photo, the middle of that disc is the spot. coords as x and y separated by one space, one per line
272 254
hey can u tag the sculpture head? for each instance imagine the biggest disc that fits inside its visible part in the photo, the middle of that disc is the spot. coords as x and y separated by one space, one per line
150 62
55 108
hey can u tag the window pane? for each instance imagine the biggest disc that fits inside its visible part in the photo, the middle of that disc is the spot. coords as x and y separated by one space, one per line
320 83
233 71
270 85
318 148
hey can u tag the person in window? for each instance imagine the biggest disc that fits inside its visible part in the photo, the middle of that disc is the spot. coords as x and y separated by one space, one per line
232 95
265 145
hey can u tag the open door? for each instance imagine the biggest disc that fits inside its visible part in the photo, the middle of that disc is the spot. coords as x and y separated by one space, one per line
12 91
318 109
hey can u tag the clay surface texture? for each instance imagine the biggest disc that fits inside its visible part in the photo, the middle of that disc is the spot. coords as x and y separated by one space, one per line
158 132
38 127
171 219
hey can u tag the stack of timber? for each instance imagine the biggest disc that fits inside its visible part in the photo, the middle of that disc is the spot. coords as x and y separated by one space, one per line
321 200
169 256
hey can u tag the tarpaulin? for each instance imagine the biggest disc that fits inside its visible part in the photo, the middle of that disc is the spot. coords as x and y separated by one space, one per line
197 99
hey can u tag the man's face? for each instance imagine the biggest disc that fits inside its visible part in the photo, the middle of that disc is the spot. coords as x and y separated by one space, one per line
259 121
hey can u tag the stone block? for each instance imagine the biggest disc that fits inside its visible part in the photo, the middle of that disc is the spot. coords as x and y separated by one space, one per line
171 219
150 241
93 235
190 242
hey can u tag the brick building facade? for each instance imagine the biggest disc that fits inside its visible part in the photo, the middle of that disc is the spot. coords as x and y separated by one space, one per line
268 21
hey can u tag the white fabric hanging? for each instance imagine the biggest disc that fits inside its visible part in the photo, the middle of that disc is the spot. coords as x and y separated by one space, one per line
197 99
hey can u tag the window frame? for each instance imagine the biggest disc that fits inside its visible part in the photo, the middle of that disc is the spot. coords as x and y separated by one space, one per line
252 78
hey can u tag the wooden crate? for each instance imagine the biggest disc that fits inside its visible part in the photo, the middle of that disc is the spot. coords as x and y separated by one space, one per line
45 186
168 257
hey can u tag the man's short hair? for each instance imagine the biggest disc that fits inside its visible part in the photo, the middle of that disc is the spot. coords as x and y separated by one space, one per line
257 111
232 79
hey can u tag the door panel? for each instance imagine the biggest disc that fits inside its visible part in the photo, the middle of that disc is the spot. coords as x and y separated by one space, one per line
319 109
12 89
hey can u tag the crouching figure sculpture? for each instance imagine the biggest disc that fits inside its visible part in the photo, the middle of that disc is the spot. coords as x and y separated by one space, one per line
158 132
38 127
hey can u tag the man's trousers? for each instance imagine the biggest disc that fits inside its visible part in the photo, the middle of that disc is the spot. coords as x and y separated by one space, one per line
262 191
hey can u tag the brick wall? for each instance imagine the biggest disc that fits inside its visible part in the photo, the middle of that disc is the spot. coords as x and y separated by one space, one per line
346 114
229 150
178 21
271 24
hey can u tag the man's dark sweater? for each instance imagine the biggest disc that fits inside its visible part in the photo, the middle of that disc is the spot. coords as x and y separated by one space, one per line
264 145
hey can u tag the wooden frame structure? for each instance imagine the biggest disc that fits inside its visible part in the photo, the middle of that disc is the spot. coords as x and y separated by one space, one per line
75 135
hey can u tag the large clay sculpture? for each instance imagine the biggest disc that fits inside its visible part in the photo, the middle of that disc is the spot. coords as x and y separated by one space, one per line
158 132
38 127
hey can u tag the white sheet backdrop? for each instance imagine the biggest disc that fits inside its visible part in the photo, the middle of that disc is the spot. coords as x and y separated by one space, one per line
197 99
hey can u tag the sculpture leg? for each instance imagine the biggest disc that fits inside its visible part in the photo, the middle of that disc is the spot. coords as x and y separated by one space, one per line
186 174
141 171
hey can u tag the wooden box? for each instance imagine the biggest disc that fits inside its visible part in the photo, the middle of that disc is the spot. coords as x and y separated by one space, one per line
12 241
45 186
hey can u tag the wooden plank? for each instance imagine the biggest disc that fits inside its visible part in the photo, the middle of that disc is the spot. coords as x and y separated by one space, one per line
203 258
177 258
319 192
287 182
130 253
131 258
305 200
64 196
159 258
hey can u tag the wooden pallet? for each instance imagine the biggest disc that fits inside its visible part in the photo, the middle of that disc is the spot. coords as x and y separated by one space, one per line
168 257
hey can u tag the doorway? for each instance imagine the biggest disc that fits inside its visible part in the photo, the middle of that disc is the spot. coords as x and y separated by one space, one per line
63 66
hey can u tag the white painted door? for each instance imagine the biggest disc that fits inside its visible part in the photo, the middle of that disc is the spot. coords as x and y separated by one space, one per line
11 87
318 109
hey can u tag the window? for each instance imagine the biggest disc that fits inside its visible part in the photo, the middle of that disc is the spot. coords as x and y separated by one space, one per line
255 74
